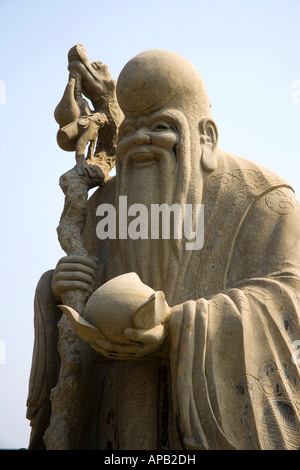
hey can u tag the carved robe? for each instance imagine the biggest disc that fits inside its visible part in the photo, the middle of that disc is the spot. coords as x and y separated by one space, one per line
231 380
234 331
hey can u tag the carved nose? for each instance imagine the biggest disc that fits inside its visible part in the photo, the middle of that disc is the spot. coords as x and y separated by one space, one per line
141 137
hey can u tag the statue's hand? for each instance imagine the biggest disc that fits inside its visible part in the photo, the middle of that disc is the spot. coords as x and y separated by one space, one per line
148 335
144 343
74 272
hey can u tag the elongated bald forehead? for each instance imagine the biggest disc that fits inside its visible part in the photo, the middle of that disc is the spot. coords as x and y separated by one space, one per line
157 78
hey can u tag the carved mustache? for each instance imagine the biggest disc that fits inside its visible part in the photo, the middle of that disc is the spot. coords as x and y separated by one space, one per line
146 152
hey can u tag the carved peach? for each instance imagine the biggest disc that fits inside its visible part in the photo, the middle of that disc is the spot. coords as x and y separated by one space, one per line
123 302
112 306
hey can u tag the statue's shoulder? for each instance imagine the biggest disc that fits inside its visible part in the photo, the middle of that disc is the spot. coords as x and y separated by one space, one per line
235 171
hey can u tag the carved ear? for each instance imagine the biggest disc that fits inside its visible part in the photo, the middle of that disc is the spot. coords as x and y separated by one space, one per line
209 143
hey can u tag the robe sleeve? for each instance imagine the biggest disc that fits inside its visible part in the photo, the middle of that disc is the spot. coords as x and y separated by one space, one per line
234 357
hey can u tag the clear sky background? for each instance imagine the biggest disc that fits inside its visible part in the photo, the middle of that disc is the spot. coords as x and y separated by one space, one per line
246 50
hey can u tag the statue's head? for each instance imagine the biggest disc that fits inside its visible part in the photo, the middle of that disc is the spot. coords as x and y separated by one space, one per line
167 143
157 79
160 80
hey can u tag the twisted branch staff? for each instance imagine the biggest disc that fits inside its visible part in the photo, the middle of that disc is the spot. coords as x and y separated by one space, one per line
70 397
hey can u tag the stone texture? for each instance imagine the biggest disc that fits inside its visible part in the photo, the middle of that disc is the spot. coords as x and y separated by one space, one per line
208 360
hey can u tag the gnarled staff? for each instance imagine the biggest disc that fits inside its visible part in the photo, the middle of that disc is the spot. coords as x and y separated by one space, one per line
80 126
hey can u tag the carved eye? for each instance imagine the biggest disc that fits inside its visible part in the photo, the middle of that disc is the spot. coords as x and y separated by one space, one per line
129 130
161 126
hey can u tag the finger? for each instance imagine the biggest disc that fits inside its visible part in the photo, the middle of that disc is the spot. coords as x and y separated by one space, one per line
116 348
123 351
62 286
154 336
125 356
76 267
113 353
91 261
73 276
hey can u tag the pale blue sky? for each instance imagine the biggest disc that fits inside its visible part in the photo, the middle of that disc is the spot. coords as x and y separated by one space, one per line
248 54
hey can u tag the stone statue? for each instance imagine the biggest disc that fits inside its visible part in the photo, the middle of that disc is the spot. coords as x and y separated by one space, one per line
147 342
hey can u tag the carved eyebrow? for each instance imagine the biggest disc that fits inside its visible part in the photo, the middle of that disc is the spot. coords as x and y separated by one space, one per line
149 121
162 117
129 121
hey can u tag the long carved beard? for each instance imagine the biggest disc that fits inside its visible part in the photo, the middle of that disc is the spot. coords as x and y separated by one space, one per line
148 257
160 263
